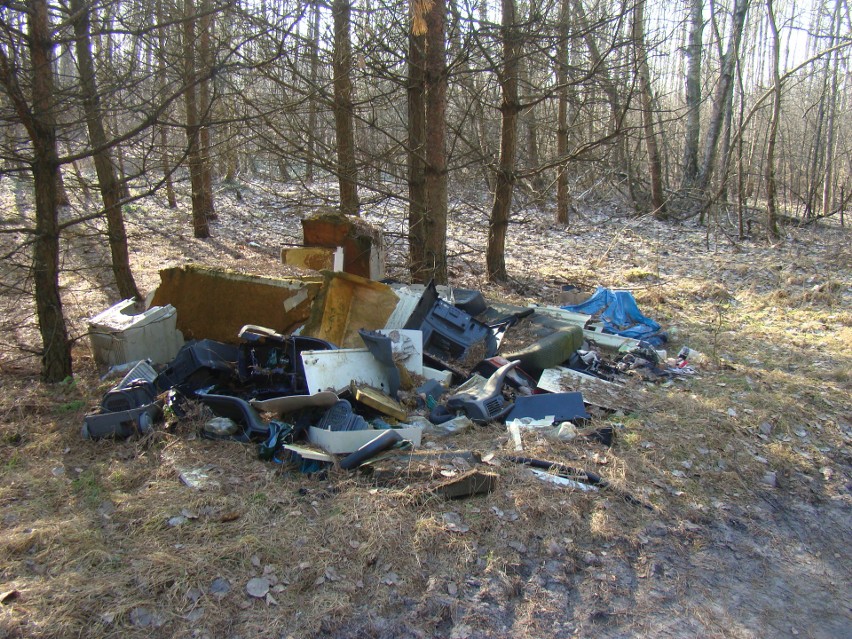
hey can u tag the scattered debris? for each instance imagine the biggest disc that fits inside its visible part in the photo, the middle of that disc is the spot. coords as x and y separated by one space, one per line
258 587
345 408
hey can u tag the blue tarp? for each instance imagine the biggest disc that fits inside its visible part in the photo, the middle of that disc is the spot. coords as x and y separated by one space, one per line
620 315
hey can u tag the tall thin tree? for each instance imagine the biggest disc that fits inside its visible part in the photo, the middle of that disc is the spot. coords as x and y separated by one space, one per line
347 169
108 182
498 224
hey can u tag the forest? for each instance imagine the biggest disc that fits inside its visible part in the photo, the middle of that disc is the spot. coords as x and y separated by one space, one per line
693 154
733 113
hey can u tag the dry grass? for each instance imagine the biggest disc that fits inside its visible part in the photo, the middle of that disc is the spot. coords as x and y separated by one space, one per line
101 539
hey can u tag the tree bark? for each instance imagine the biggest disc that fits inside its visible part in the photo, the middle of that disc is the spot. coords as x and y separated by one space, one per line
693 94
827 189
655 167
771 189
501 210
40 123
720 98
205 106
417 211
110 187
435 171
161 84
313 106
347 170
200 225
563 195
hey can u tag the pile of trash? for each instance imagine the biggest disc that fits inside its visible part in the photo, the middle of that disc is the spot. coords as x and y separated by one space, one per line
376 367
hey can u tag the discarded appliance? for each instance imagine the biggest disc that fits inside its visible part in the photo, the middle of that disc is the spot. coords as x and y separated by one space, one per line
197 365
335 369
273 362
448 332
381 346
125 333
129 408
487 405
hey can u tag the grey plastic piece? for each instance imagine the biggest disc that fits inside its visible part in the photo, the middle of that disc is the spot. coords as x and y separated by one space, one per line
448 332
387 439
489 405
237 409
562 406
121 424
381 348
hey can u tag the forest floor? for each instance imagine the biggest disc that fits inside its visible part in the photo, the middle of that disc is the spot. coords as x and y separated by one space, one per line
747 464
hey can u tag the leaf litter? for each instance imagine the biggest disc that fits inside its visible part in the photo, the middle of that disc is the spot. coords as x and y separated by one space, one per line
760 516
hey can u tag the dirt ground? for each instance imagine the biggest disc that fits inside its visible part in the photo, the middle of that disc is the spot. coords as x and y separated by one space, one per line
746 465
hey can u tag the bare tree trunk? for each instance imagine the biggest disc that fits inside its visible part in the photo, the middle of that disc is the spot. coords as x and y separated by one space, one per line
609 88
693 93
720 98
200 226
39 121
771 190
111 189
827 203
204 107
417 212
313 106
161 83
62 198
435 228
655 166
347 170
499 222
563 195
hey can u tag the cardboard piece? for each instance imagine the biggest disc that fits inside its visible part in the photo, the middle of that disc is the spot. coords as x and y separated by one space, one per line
314 257
345 442
345 304
214 304
379 401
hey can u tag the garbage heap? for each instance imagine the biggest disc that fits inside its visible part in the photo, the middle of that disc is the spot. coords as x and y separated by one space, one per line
338 370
